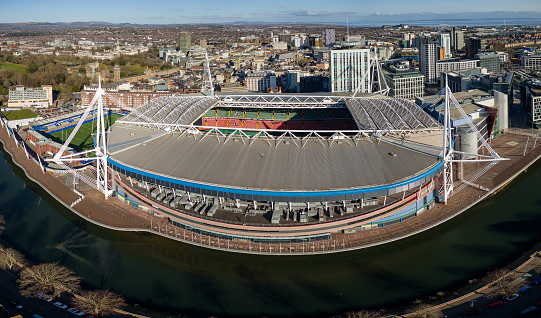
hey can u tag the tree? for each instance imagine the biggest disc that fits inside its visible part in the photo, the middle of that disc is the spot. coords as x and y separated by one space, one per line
32 68
501 281
11 259
49 278
99 302
422 310
364 314
2 224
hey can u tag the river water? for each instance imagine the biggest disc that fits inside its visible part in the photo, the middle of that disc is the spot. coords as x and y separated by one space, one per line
154 271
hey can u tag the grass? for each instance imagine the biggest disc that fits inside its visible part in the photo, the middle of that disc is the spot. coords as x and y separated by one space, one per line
83 139
15 67
19 114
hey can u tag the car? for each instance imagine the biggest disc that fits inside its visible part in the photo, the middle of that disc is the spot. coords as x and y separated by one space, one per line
528 310
60 305
16 305
512 297
496 304
76 312
525 289
536 281
45 297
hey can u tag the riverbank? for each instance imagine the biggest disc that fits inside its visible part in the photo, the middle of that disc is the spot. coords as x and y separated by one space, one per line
114 214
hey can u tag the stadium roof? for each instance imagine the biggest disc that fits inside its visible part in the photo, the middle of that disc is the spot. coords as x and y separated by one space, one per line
258 165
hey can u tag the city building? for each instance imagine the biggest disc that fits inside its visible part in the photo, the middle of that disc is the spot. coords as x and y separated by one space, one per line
19 96
444 41
532 62
489 114
489 60
473 46
427 59
403 81
130 99
530 98
260 81
316 83
185 42
457 39
330 37
454 64
350 70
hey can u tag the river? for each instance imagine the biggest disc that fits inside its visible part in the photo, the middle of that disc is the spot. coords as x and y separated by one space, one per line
154 271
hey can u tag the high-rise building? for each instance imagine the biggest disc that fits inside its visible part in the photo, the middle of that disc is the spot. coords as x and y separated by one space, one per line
348 67
330 37
427 59
444 41
457 39
473 46
185 42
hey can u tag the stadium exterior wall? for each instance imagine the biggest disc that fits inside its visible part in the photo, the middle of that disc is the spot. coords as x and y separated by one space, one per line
412 205
277 196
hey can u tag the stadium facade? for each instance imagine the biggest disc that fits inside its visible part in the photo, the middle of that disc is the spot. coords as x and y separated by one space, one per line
277 169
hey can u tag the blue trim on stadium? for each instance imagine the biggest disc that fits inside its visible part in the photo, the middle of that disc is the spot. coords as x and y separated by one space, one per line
275 193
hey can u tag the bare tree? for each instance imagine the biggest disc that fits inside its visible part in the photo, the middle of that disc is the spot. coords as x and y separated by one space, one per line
501 281
47 278
11 259
364 314
2 224
422 310
99 302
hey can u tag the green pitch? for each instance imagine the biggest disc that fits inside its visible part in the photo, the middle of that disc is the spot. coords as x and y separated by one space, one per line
19 114
83 139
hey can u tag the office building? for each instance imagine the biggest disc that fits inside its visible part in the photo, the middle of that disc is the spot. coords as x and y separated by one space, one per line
489 60
427 59
330 37
185 42
457 39
444 41
473 46
454 64
19 96
349 70
403 81
532 62
530 98
260 81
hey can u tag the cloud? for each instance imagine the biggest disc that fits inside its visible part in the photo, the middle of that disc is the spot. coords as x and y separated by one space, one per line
143 9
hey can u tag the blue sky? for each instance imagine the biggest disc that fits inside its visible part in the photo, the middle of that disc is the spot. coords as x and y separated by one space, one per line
303 11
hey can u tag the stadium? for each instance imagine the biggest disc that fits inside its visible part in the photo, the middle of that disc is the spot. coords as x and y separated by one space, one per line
277 169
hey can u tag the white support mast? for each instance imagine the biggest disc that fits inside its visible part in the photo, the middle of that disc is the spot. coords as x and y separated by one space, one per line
446 188
100 148
207 87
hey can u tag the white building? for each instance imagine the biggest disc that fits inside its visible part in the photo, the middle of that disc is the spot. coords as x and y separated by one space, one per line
19 96
455 64
444 40
427 59
349 70
260 81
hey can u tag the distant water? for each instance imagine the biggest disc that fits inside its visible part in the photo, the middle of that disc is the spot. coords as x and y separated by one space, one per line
450 22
